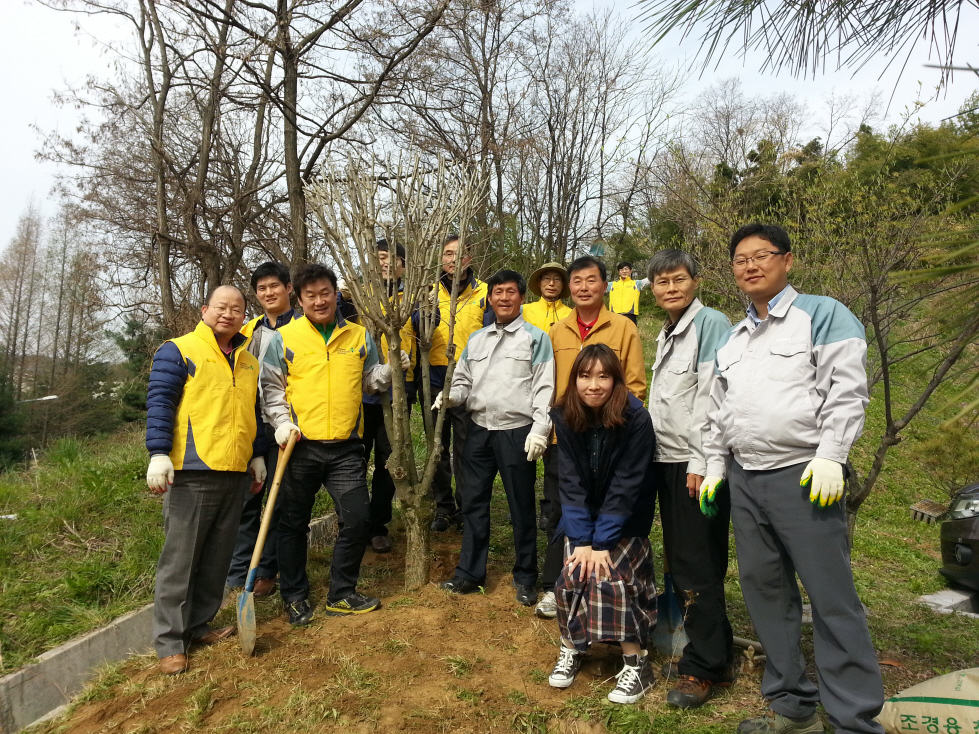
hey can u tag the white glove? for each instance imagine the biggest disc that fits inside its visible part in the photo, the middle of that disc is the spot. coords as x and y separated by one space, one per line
535 445
256 467
159 475
708 489
283 431
405 360
826 481
437 403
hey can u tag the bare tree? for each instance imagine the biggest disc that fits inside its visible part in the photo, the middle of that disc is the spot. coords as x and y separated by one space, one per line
416 206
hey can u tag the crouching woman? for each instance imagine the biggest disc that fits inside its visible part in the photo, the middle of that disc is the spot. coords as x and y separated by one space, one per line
607 589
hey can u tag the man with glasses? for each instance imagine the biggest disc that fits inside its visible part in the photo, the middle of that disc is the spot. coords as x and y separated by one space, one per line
787 405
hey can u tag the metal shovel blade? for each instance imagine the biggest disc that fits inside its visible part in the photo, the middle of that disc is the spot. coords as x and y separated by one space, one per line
246 621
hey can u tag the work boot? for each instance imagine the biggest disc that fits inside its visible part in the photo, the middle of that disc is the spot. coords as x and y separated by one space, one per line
441 522
263 587
567 667
635 678
774 723
689 692
173 664
355 603
212 636
300 613
547 606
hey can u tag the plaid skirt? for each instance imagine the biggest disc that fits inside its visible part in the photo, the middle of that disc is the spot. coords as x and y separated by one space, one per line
621 609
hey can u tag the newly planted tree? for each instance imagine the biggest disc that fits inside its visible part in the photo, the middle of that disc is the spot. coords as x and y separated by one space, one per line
416 206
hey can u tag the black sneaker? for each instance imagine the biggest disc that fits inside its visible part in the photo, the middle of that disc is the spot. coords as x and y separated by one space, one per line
300 613
355 603
567 667
441 522
635 678
457 585
526 594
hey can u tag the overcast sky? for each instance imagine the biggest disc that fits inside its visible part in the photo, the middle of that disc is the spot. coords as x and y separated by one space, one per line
41 51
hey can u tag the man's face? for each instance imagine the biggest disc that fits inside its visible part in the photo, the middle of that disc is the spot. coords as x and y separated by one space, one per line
551 285
674 290
587 288
319 301
225 313
449 258
761 280
384 258
506 300
625 272
273 295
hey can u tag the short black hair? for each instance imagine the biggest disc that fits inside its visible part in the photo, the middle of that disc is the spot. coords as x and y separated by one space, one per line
399 250
583 263
310 273
271 270
449 239
666 261
768 232
506 276
624 264
212 291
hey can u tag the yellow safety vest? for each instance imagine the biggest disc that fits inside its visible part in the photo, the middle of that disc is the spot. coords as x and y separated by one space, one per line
544 314
624 297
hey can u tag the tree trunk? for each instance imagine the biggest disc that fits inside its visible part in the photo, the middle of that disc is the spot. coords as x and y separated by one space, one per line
418 555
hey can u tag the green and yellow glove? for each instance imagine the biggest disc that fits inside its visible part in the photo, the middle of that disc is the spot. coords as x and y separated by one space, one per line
824 478
708 490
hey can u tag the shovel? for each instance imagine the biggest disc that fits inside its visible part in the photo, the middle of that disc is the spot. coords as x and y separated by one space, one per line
246 599
669 636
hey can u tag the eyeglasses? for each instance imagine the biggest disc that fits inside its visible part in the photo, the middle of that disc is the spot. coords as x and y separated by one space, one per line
759 258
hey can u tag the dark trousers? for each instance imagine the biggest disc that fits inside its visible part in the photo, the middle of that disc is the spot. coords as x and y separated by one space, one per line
631 316
341 467
489 452
382 486
779 534
200 520
454 431
696 550
251 523
554 555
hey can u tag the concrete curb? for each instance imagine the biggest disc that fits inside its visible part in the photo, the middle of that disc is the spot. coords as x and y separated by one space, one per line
40 690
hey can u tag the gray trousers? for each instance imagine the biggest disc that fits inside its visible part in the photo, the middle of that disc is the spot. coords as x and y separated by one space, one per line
779 534
201 512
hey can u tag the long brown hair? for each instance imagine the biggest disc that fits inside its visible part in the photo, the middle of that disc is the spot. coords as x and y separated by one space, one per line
578 415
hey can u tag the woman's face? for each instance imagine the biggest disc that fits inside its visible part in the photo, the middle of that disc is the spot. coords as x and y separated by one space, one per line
594 384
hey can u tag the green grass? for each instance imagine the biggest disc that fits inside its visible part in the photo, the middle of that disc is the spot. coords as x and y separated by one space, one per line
84 546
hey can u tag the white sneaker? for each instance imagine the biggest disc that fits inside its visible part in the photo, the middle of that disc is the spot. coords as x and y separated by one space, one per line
567 667
547 606
635 678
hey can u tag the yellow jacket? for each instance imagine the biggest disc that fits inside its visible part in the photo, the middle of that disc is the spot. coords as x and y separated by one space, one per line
200 408
623 295
544 314
615 331
319 386
471 305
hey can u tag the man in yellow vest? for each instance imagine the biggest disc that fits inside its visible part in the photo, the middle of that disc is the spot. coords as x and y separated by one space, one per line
203 433
550 282
314 374
472 312
623 294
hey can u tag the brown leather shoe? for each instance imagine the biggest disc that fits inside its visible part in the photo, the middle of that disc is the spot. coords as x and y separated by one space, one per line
263 587
381 544
689 692
173 664
215 636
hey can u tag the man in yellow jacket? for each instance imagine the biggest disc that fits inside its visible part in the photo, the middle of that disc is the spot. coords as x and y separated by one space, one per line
472 312
314 374
588 323
550 283
203 434
623 294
